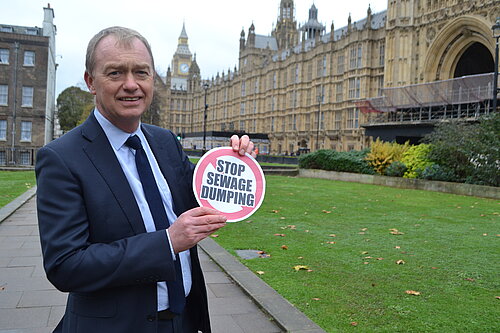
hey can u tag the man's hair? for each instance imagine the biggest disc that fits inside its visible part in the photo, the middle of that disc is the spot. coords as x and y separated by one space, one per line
124 36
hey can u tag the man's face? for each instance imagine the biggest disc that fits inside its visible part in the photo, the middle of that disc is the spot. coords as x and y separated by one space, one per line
122 81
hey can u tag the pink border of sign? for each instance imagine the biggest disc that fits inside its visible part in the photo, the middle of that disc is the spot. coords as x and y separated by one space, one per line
211 158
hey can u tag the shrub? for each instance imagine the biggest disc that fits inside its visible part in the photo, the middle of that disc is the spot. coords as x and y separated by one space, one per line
416 160
382 154
471 150
438 172
352 161
396 169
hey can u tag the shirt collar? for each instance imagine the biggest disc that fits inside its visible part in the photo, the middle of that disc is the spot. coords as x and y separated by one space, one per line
116 136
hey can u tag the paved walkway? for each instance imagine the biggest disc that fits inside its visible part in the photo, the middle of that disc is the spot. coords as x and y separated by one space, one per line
239 302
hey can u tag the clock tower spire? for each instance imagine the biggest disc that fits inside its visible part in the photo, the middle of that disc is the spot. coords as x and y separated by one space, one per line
181 61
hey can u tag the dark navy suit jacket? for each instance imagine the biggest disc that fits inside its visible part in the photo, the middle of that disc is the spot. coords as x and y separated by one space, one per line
93 238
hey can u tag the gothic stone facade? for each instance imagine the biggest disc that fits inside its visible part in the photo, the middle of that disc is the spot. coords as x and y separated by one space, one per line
299 85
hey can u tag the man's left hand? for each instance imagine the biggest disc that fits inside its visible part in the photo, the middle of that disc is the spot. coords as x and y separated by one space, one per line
243 145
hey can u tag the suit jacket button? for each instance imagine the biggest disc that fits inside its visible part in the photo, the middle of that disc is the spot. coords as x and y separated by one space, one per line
151 318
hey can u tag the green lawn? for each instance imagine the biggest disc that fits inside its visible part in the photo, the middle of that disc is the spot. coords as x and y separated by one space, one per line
14 183
351 236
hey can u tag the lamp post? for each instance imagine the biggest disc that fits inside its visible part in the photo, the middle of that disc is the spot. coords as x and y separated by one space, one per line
320 99
205 87
496 35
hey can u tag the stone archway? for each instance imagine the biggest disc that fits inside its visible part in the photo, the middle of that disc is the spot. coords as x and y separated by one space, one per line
476 59
452 50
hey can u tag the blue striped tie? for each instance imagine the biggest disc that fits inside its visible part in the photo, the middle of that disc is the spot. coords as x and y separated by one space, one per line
176 295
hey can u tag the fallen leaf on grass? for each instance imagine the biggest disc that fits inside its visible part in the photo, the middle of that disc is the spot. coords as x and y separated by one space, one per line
282 218
497 297
326 211
284 247
400 262
275 211
396 232
364 252
330 242
380 258
281 235
353 323
413 292
214 235
397 247
260 272
300 267
470 279
316 298
332 235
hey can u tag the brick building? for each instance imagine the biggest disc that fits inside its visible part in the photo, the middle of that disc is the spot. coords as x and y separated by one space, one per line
27 90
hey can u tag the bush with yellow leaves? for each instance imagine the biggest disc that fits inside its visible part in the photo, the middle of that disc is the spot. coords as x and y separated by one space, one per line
382 154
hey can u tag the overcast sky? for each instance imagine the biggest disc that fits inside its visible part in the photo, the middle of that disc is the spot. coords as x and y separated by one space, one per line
213 26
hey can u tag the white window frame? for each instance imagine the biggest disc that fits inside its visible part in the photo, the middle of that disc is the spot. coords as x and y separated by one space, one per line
29 58
26 129
4 56
3 129
27 99
4 94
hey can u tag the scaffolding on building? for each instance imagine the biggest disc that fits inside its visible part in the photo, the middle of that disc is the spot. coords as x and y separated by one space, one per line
467 97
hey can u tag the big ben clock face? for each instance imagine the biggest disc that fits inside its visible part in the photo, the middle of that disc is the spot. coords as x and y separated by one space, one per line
184 68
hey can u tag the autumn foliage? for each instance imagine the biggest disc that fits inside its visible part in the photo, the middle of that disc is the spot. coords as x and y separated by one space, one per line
382 154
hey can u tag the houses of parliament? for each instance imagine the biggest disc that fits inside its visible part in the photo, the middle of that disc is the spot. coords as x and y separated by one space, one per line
309 86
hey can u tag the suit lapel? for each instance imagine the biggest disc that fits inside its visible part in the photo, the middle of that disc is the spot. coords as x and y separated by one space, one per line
101 154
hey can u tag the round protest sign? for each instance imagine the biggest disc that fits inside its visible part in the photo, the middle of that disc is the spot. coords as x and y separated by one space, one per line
230 183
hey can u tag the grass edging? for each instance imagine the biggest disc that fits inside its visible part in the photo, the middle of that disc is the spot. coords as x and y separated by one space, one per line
406 183
12 206
287 316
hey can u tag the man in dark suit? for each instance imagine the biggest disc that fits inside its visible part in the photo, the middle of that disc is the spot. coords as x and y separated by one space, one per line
100 237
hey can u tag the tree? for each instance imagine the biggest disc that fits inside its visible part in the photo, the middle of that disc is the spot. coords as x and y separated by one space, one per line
72 102
152 114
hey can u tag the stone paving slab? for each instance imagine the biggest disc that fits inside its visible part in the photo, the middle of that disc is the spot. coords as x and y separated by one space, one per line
288 318
30 304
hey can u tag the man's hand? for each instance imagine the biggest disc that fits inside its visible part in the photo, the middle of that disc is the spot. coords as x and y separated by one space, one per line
193 226
243 145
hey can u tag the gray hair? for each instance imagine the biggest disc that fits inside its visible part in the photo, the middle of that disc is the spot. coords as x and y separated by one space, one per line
123 36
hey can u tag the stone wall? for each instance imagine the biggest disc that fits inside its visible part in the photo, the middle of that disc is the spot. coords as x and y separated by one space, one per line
416 184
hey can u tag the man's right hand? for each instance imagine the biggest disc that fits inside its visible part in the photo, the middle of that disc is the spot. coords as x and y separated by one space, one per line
193 226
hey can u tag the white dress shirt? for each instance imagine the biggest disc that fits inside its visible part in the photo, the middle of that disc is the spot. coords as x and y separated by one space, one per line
126 157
